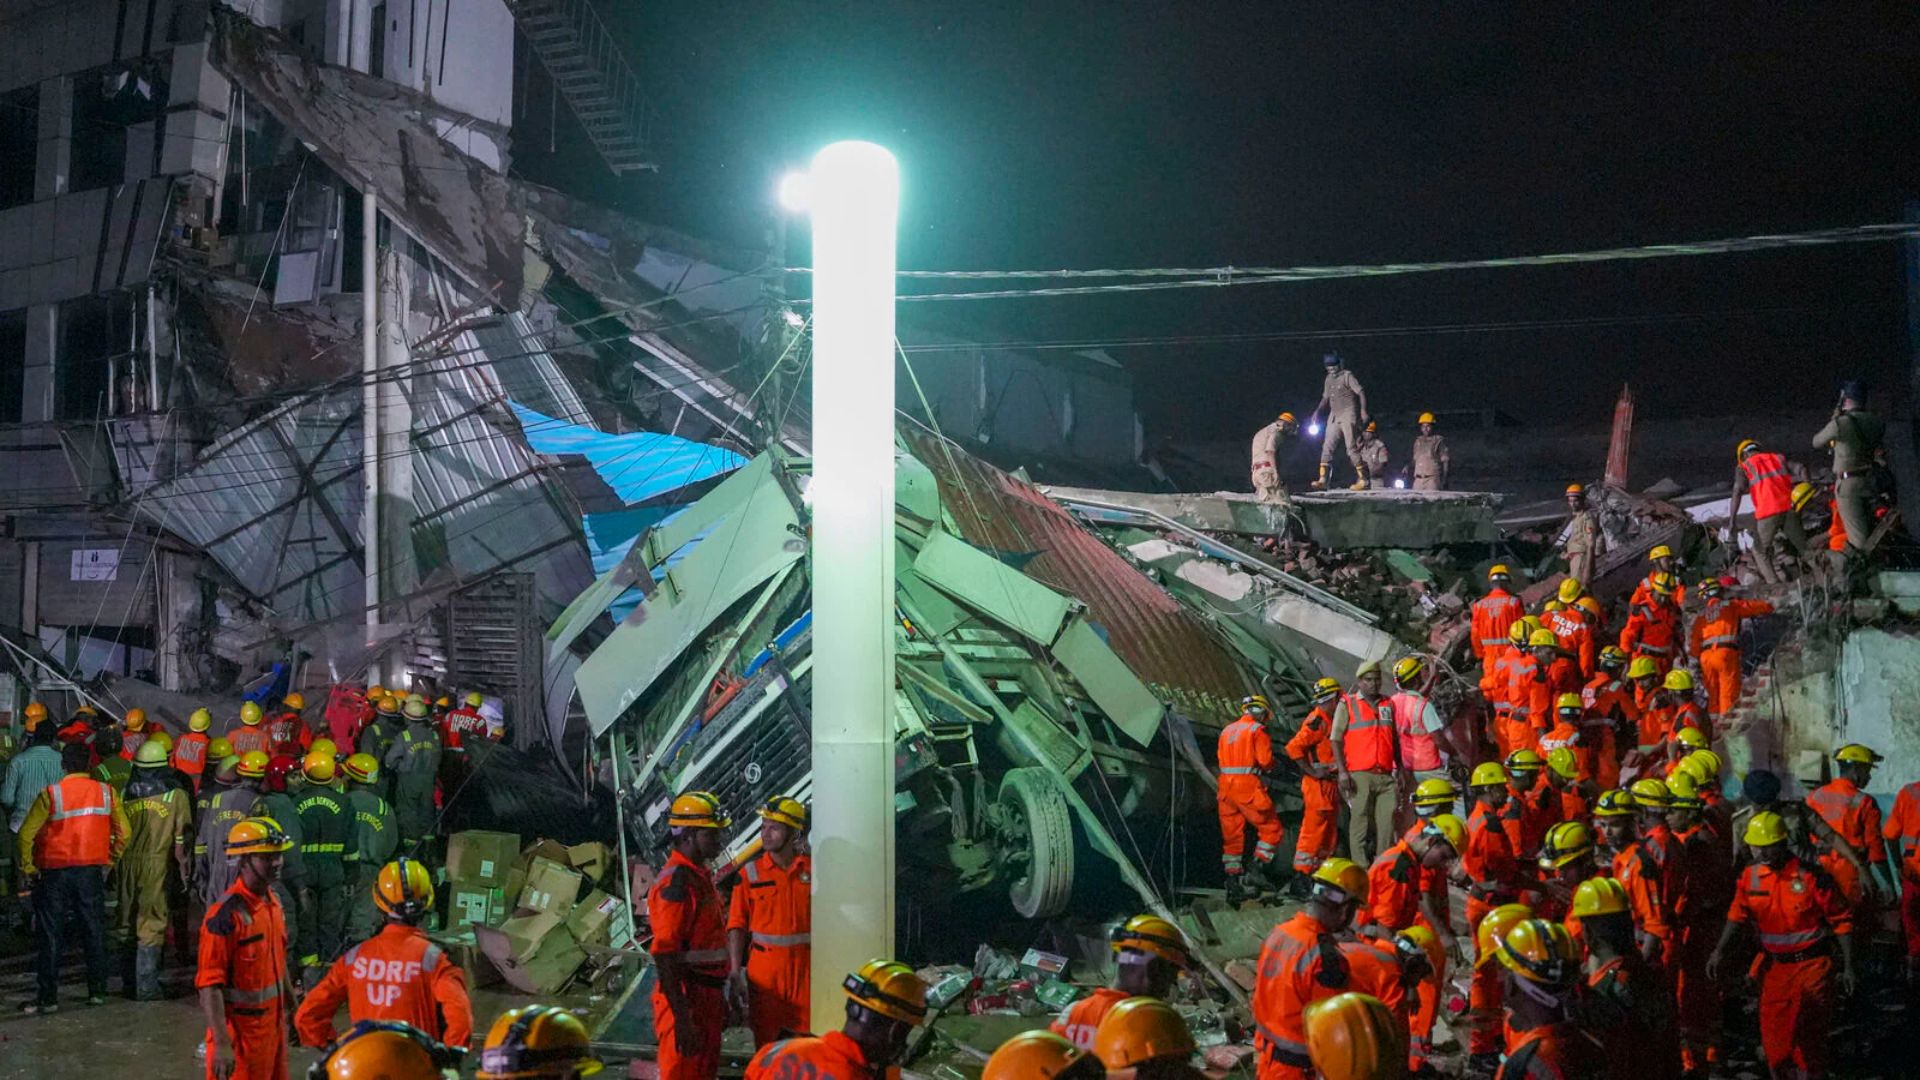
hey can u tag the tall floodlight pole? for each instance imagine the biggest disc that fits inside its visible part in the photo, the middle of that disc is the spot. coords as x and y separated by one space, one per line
853 195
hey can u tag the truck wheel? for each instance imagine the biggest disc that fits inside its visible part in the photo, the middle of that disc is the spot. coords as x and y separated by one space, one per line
1038 833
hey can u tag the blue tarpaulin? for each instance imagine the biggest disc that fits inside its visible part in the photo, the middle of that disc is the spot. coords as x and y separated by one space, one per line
610 536
639 466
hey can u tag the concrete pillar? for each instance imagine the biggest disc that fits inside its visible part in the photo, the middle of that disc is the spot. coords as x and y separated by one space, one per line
43 347
399 574
53 163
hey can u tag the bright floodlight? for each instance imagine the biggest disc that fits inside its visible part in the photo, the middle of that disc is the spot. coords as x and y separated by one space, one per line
793 192
853 199
1313 428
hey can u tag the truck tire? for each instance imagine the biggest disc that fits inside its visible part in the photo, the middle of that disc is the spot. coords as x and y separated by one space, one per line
1039 830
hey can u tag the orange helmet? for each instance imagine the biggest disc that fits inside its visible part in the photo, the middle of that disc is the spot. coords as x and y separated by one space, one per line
1355 1037
136 719
404 890
1142 1029
384 1050
537 1041
1039 1055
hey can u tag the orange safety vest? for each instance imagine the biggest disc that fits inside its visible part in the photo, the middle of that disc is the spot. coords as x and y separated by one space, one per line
79 829
1369 737
1767 479
247 739
1419 749
190 753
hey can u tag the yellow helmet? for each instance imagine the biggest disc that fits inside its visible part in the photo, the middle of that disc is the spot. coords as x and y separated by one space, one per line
1660 551
36 712
404 889
1342 876
1437 791
383 1050
253 764
1407 669
1709 586
1741 449
1662 583
1540 951
1765 829
697 810
1141 1029
250 713
1150 934
1553 605
294 700
219 749
1525 760
1566 842
1563 763
1691 737
1421 939
136 719
324 746
1599 896
1517 633
1612 656
1494 926
1568 702
388 705
1642 667
363 768
1614 803
1450 828
475 699
1682 792
1678 679
537 1040
160 737
151 755
786 811
1570 590
1255 704
1706 765
1498 570
1542 637
1425 418
318 767
201 720
1325 690
889 988
1802 495
1354 1036
1855 754
1035 1054
257 836
1650 794
1488 774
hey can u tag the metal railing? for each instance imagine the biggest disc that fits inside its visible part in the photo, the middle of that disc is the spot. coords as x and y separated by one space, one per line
591 71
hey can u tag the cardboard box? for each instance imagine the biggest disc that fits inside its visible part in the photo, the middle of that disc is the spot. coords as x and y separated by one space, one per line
550 888
470 904
592 859
480 858
599 920
534 953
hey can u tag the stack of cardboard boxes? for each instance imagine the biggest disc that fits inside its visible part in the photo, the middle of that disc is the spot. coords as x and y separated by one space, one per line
523 909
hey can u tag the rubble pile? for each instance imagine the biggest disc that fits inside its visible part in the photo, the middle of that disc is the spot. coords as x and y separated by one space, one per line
1417 596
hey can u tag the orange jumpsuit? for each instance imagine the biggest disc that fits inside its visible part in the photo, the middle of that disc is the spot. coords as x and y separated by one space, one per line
1633 1020
1796 911
775 907
1653 631
1609 700
1393 889
689 923
1527 817
1710 883
1715 639
1245 754
1574 627
1422 1009
1656 720
1292 961
833 1056
1489 863
397 974
243 952
1558 1051
1493 617
1496 682
286 732
1856 818
1079 1020
1902 829
1668 858
1320 817
1639 877
1531 701
246 739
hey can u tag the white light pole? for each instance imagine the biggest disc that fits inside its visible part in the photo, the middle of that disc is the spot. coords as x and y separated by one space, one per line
853 196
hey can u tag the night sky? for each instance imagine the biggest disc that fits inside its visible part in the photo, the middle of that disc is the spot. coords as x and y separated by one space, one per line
1089 135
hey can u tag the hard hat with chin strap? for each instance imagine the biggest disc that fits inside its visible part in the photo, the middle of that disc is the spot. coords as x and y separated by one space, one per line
1488 774
1612 656
1325 690
1340 880
1435 791
1566 842
257 836
537 1041
1153 935
1542 639
318 767
889 988
404 890
1540 952
1449 828
1407 669
1650 794
786 811
384 1050
1660 551
1525 759
1493 927
697 810
1614 803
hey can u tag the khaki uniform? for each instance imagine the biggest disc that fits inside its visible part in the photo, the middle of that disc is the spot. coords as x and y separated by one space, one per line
160 817
1346 401
1373 453
1854 437
1266 466
1582 543
1432 461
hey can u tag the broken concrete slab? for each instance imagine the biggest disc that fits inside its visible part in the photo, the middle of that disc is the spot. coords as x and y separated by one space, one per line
1335 519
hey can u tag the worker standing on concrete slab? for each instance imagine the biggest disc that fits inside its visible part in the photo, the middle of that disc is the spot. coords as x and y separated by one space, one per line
1267 485
1581 541
1855 437
1653 628
1345 404
242 977
1432 460
1368 757
1311 749
1426 748
159 816
1149 953
1844 804
1373 453
1715 642
1764 474
1800 920
770 927
1245 757
690 942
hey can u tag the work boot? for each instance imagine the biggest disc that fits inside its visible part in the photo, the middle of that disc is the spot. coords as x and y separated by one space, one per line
1483 1064
1236 889
1321 484
1277 875
1359 478
146 973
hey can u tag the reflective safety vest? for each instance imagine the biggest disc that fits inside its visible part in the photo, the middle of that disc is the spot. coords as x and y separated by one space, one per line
1369 736
79 828
1768 480
1419 749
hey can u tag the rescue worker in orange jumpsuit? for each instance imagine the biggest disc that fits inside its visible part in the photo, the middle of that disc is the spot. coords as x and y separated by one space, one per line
395 975
250 734
1801 920
1395 899
1489 1036
1616 812
1543 980
1653 628
1423 971
1764 474
1660 561
690 942
1149 953
1494 879
1710 886
1311 748
1533 807
885 1002
190 751
1902 832
1367 754
288 734
770 927
134 733
1245 757
1538 682
1684 705
1844 804
1576 628
1612 712
1568 734
1667 857
1570 784
1715 640
74 830
244 988
1656 706
1494 615
1567 858
1301 957
1629 1011
1496 683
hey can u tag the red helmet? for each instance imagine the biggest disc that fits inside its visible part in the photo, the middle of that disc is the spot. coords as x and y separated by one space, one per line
278 770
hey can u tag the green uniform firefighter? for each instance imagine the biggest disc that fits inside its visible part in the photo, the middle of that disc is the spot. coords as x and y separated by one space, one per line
279 806
413 764
160 815
375 839
326 828
377 735
224 803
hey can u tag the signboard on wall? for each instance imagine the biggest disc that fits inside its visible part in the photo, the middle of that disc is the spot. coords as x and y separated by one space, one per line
95 564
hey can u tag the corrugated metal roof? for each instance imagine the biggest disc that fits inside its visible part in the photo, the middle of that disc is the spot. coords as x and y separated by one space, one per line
1167 645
